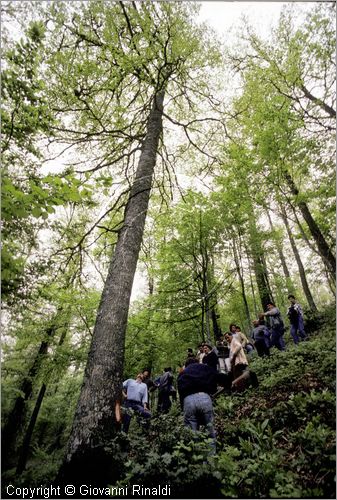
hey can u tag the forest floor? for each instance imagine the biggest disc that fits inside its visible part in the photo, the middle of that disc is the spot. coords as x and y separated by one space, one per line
273 441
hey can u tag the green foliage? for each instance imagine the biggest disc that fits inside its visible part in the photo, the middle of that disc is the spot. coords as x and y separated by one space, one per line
169 453
86 79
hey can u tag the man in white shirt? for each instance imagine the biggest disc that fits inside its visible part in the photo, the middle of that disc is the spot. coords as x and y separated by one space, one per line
136 395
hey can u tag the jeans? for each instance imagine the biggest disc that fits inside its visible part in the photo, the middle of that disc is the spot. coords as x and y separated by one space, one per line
249 348
137 408
277 339
300 328
261 347
198 410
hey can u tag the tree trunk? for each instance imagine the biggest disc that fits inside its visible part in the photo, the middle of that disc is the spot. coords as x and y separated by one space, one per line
203 320
260 270
208 320
281 256
94 420
256 311
215 324
28 436
304 282
322 245
242 283
16 417
29 432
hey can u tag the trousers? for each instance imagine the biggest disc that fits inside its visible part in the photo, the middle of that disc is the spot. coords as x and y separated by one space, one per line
138 408
299 327
198 410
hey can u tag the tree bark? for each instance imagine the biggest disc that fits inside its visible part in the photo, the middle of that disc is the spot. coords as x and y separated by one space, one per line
28 436
33 419
322 245
256 311
242 283
323 105
281 256
260 270
94 420
304 281
16 417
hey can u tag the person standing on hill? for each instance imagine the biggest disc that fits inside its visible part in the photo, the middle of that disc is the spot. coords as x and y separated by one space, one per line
136 395
201 353
165 390
295 315
237 356
259 337
277 326
149 384
247 346
210 358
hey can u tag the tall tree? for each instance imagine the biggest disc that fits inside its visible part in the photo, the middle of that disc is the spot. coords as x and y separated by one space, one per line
148 63
298 259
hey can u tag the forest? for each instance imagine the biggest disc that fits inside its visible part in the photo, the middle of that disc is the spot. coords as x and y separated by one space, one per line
160 182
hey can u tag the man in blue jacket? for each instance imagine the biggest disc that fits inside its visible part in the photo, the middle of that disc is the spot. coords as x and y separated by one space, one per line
195 385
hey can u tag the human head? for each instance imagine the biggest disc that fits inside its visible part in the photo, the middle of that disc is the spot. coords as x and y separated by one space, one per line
270 306
169 369
190 361
140 376
232 328
207 348
237 328
229 337
292 299
146 373
256 322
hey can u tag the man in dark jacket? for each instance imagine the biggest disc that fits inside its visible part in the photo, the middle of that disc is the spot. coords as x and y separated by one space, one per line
210 357
260 336
195 385
165 390
276 325
295 315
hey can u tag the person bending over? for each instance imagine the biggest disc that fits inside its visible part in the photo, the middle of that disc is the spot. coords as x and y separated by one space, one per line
195 385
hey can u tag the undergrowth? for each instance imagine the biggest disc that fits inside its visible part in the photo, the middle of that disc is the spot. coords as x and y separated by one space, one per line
276 441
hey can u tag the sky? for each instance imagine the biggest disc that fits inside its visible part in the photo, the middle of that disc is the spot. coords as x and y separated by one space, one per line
225 16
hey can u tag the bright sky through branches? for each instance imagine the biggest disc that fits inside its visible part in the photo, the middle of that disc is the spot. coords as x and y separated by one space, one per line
225 16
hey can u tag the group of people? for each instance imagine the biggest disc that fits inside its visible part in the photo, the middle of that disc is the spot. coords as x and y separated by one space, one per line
136 395
265 337
210 367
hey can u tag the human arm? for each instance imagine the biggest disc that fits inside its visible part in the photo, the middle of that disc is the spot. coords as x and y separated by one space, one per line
145 397
235 349
125 388
272 312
